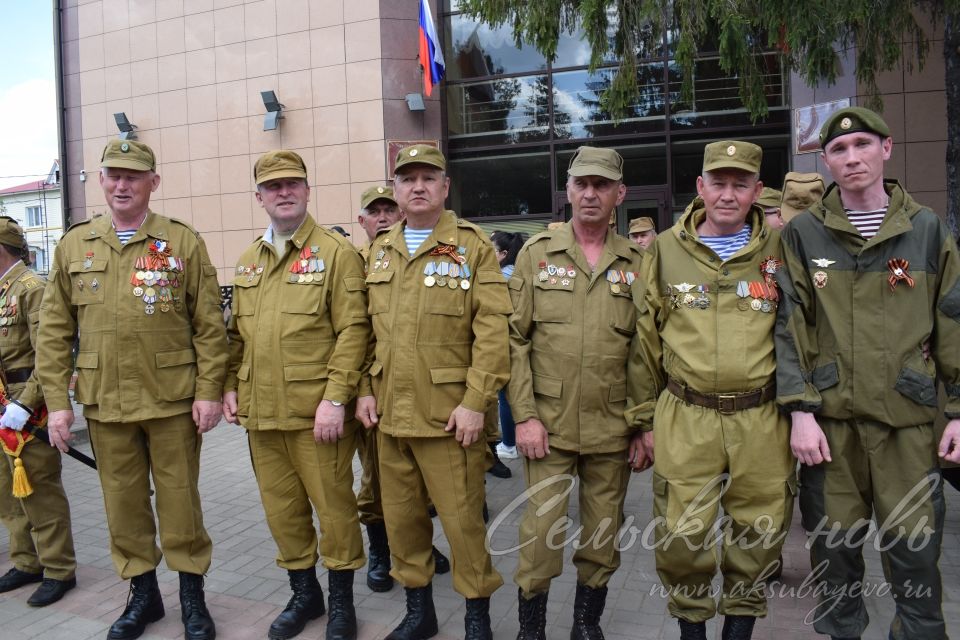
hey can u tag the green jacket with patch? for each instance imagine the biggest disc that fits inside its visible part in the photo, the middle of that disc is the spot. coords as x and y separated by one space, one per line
850 344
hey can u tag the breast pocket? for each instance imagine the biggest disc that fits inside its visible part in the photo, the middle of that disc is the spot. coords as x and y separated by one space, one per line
379 291
552 303
87 281
623 313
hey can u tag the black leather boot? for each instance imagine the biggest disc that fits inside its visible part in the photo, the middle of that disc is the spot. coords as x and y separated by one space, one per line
476 622
737 627
197 623
306 604
144 606
692 630
587 609
420 622
378 559
14 579
341 616
498 469
533 616
441 564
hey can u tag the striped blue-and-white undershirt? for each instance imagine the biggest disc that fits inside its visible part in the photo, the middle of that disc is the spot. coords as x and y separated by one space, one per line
727 245
414 238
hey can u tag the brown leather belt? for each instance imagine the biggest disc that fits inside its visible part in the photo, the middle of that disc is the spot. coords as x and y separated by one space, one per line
16 376
723 402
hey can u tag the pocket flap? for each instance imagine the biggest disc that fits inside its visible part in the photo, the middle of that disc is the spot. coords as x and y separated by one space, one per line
442 375
825 376
88 360
375 368
547 385
659 485
515 283
353 283
310 371
96 264
176 358
244 372
490 276
244 283
306 302
918 387
379 276
618 392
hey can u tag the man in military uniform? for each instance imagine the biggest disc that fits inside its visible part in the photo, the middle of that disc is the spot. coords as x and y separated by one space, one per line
642 232
45 513
140 292
872 278
705 358
298 338
439 307
570 334
769 201
800 191
378 211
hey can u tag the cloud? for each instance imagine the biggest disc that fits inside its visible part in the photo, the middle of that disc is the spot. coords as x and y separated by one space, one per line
28 131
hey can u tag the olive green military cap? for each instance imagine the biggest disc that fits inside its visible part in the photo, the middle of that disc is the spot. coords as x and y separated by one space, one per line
420 154
769 197
11 234
639 225
373 194
279 164
732 154
591 161
852 120
800 190
128 154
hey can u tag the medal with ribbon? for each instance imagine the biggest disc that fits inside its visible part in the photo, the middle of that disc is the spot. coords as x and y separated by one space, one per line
898 271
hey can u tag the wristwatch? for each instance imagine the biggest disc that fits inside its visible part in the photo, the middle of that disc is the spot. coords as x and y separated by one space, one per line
336 403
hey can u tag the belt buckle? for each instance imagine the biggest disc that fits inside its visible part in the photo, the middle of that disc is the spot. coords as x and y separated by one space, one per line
727 403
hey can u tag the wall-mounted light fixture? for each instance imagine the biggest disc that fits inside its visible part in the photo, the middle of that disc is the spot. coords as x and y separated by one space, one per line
126 127
415 102
272 120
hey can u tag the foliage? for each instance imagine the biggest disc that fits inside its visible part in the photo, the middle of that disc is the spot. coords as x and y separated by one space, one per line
810 35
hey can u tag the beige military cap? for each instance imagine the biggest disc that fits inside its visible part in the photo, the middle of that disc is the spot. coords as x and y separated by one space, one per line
11 234
373 194
639 225
420 154
128 154
800 190
732 154
278 164
591 161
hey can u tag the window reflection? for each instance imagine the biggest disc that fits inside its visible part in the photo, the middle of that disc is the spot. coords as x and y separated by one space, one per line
505 110
576 103
475 50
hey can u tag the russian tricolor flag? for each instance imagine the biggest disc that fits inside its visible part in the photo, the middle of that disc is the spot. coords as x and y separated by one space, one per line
431 57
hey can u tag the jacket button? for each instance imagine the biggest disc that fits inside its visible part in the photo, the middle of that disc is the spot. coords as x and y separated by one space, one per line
683 235
713 259
726 272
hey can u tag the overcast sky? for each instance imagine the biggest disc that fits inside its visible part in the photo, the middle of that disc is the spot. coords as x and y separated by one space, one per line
28 106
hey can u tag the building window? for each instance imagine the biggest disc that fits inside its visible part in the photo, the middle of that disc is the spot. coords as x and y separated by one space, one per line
34 216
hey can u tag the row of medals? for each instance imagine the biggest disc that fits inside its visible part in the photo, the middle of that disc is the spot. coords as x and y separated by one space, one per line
8 311
553 274
750 301
159 286
681 295
310 270
445 274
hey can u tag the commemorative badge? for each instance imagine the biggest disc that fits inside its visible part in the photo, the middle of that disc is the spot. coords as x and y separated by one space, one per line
898 273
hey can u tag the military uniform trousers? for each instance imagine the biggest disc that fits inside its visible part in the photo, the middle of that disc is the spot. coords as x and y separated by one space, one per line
416 470
892 474
128 454
294 471
693 448
368 499
603 479
40 534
